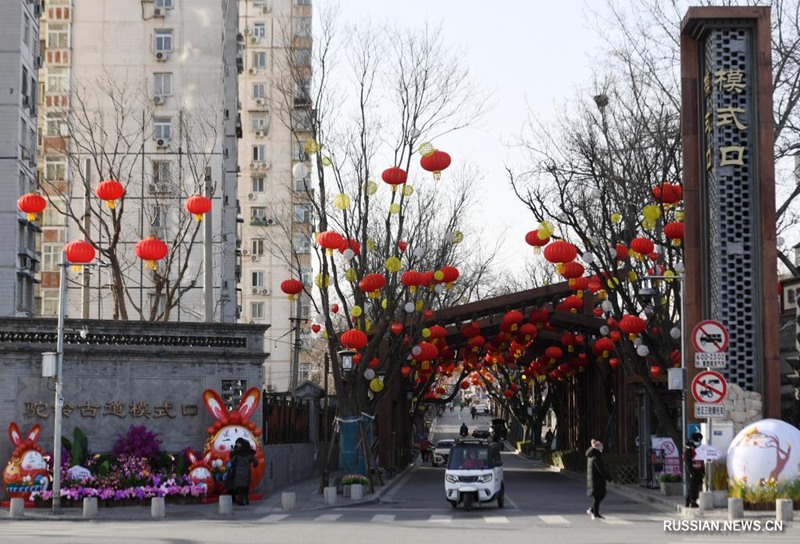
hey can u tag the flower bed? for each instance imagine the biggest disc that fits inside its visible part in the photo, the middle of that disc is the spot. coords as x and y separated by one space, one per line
762 495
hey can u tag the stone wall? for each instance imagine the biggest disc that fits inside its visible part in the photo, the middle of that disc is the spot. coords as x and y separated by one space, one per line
742 407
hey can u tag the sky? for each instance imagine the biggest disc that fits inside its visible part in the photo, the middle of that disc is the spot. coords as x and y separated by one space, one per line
524 52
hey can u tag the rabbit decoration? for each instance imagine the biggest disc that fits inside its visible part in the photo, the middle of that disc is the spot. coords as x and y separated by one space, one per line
26 471
200 470
229 427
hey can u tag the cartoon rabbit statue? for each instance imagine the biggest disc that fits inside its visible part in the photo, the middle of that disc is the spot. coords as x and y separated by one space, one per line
229 427
26 471
200 470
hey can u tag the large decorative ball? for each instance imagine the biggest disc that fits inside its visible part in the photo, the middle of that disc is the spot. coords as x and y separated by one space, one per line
766 449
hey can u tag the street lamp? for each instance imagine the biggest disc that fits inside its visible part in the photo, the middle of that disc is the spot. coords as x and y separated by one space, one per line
681 279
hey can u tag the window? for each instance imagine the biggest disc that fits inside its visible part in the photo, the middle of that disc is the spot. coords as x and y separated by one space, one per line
162 84
302 244
307 276
55 169
302 92
259 60
51 257
165 4
305 309
302 184
259 121
301 118
302 27
258 213
57 36
259 90
56 124
162 40
52 217
26 32
303 2
158 221
49 302
300 152
256 310
257 246
259 153
302 57
257 278
305 370
57 80
302 213
162 128
258 184
259 30
162 173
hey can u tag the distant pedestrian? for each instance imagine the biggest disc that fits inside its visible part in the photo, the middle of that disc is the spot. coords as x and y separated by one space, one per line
596 478
425 449
242 459
548 438
694 469
473 412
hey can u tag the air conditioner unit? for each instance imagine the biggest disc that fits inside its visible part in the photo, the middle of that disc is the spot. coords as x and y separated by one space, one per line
159 12
158 100
255 290
254 258
259 101
259 134
254 39
265 291
252 70
253 165
251 196
245 252
162 142
266 9
270 388
264 165
161 56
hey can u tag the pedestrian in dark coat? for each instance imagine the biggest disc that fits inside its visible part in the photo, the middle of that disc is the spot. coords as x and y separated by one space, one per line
242 459
596 478
694 469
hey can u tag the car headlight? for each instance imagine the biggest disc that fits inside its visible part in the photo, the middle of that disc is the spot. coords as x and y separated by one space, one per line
486 478
450 478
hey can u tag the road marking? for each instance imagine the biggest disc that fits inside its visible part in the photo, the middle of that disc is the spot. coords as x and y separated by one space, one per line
383 518
328 517
616 521
440 519
496 519
554 520
274 517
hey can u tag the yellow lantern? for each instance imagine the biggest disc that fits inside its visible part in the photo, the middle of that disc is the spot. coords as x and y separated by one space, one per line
384 303
322 281
370 187
341 201
632 275
370 245
324 334
419 305
326 161
394 208
616 218
426 332
376 385
311 146
393 264
438 275
680 215
458 237
408 190
669 273
651 212
350 275
356 311
426 148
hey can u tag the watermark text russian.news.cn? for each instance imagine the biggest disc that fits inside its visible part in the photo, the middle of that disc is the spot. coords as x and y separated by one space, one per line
723 526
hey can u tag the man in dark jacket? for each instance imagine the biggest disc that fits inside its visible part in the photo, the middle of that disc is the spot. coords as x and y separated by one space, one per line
242 458
694 469
596 478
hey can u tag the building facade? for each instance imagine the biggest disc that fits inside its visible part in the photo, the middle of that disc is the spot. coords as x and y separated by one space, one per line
19 59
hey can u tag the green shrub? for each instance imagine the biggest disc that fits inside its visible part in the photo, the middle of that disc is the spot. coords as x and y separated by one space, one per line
720 476
670 478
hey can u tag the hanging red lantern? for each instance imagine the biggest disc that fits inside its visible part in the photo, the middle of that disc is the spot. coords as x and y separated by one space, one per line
335 308
642 246
668 193
401 245
79 253
292 287
632 325
464 384
426 279
436 332
109 190
350 244
330 240
449 275
315 327
512 318
198 206
411 279
405 371
613 362
533 239
604 345
552 353
622 252
435 162
573 304
427 314
396 328
579 284
571 271
674 231
31 204
353 339
150 250
528 331
424 351
394 176
655 370
372 284
560 251
508 393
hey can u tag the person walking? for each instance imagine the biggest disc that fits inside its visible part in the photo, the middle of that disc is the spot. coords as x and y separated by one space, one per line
242 459
694 469
596 478
425 449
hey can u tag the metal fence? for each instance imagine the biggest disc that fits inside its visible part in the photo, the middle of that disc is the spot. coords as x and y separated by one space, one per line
286 421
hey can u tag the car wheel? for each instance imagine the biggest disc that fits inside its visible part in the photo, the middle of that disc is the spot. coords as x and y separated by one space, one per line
501 497
454 504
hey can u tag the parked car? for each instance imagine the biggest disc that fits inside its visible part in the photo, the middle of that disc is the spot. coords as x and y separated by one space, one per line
481 409
442 452
482 433
474 474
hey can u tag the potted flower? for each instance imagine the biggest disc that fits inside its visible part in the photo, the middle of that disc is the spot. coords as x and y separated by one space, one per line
352 479
719 484
670 484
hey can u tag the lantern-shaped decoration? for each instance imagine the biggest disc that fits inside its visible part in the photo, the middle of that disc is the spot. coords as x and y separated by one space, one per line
31 204
198 206
552 353
642 246
330 240
674 231
559 252
512 318
394 176
622 252
79 253
613 362
372 284
449 275
573 303
571 271
353 339
411 279
655 370
350 244
527 332
292 287
435 162
424 351
150 250
632 325
533 239
109 190
396 328
604 345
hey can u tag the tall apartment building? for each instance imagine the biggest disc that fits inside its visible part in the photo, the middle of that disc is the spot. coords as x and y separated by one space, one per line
19 46
277 222
143 92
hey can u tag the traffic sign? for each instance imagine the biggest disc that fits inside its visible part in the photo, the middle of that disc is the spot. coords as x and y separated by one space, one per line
709 410
709 387
710 337
710 360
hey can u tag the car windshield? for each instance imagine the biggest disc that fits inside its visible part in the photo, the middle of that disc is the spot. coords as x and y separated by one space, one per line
469 458
444 444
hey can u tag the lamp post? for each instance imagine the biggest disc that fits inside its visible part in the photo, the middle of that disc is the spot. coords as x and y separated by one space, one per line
681 279
59 399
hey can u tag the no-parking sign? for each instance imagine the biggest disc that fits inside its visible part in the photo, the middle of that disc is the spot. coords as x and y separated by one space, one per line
710 337
709 387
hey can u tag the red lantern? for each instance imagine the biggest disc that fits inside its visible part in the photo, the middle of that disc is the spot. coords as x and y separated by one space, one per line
198 206
571 271
427 314
532 239
394 176
150 250
330 240
437 332
401 245
512 318
315 327
464 384
396 328
411 279
632 325
353 339
642 246
335 308
613 362
674 231
291 287
622 252
372 284
79 253
604 345
573 303
508 393
424 351
449 275
579 284
553 353
109 190
435 162
31 204
655 370
668 193
560 251
350 244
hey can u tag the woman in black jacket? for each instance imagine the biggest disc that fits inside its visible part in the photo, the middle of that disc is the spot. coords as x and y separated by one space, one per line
242 458
596 477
